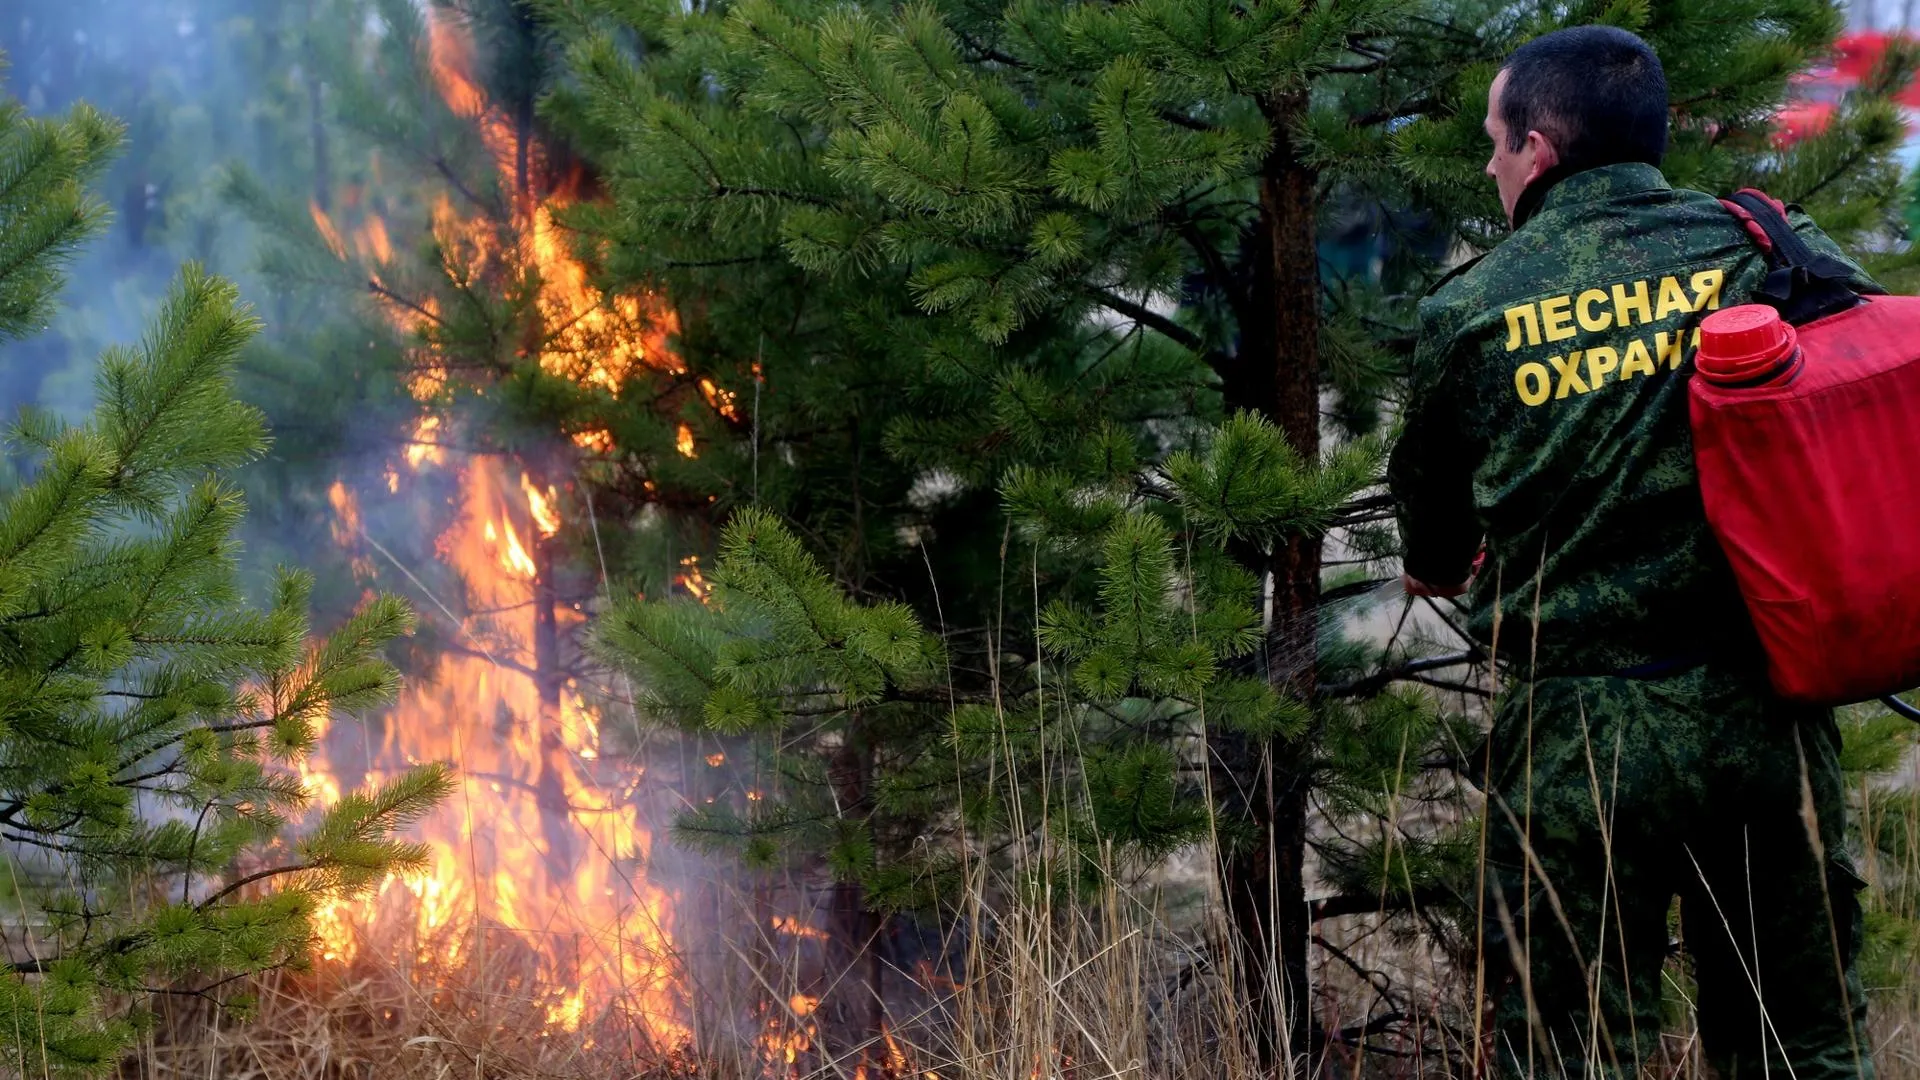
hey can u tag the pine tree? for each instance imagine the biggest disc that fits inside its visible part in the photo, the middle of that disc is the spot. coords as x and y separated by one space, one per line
147 716
1069 252
915 168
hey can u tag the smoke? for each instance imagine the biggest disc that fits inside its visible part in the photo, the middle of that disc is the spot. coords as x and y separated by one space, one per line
184 76
558 840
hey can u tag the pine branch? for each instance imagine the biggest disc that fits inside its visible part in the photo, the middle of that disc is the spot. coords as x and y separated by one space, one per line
1167 328
1344 904
1457 687
1374 683
392 297
724 191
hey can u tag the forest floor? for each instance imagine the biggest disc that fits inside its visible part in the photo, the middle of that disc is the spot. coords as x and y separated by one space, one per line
1123 986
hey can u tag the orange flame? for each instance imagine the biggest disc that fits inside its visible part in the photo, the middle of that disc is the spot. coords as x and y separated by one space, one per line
898 1064
722 401
450 58
792 927
346 526
424 447
594 440
499 854
546 839
586 336
328 233
692 580
786 1038
346 513
591 339
542 507
370 241
513 556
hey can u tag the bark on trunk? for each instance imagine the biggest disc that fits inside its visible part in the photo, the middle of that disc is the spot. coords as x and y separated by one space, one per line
1263 786
550 793
853 963
523 156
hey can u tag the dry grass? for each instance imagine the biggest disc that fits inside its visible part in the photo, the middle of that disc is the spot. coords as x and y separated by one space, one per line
1025 985
1115 988
1105 989
1127 984
400 1018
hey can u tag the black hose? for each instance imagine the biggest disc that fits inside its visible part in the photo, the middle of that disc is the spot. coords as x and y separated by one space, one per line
1901 708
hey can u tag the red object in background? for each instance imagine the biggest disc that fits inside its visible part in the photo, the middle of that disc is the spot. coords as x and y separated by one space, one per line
1809 462
1814 95
1855 55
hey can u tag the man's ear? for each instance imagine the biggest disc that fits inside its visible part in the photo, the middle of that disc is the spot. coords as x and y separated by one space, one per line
1545 156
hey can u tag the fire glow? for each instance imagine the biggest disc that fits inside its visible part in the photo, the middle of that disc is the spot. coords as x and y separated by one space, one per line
545 851
543 840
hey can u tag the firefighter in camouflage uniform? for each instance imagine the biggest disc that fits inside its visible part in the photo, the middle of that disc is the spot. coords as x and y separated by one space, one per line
1639 755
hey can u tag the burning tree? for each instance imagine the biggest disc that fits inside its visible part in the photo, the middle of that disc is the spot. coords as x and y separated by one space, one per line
151 720
475 407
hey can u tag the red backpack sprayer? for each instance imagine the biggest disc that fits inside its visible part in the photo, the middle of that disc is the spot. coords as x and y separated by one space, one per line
1806 428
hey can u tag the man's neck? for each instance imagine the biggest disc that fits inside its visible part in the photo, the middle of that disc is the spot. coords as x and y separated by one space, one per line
1562 185
1534 194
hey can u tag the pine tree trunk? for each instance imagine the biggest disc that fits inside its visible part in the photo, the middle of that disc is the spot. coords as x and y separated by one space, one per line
523 157
852 929
1262 786
550 793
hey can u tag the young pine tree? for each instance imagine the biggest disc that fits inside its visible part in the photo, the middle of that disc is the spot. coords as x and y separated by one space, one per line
1071 253
146 714
959 228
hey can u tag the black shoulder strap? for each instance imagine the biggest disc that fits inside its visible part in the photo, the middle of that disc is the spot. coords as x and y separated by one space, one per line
1803 285
1453 273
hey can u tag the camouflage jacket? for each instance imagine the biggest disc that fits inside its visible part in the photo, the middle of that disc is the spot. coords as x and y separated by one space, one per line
1548 419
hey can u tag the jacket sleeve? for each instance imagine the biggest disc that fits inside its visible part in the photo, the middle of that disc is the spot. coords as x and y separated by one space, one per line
1820 242
1430 472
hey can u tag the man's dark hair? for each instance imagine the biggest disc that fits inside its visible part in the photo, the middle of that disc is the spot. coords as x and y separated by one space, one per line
1597 93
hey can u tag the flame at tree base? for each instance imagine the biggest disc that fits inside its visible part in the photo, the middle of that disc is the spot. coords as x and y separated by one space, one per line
545 844
540 921
543 921
393 1014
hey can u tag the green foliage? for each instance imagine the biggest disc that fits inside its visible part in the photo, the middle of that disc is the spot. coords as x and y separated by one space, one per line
1025 242
1885 823
45 210
778 640
1251 485
970 313
146 715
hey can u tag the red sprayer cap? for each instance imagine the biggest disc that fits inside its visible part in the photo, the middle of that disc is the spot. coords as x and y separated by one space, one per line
1748 344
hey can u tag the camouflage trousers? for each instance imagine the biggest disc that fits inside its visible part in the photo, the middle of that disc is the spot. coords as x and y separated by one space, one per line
1609 798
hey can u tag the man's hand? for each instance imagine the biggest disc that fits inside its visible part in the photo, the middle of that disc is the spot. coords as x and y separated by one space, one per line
1416 587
